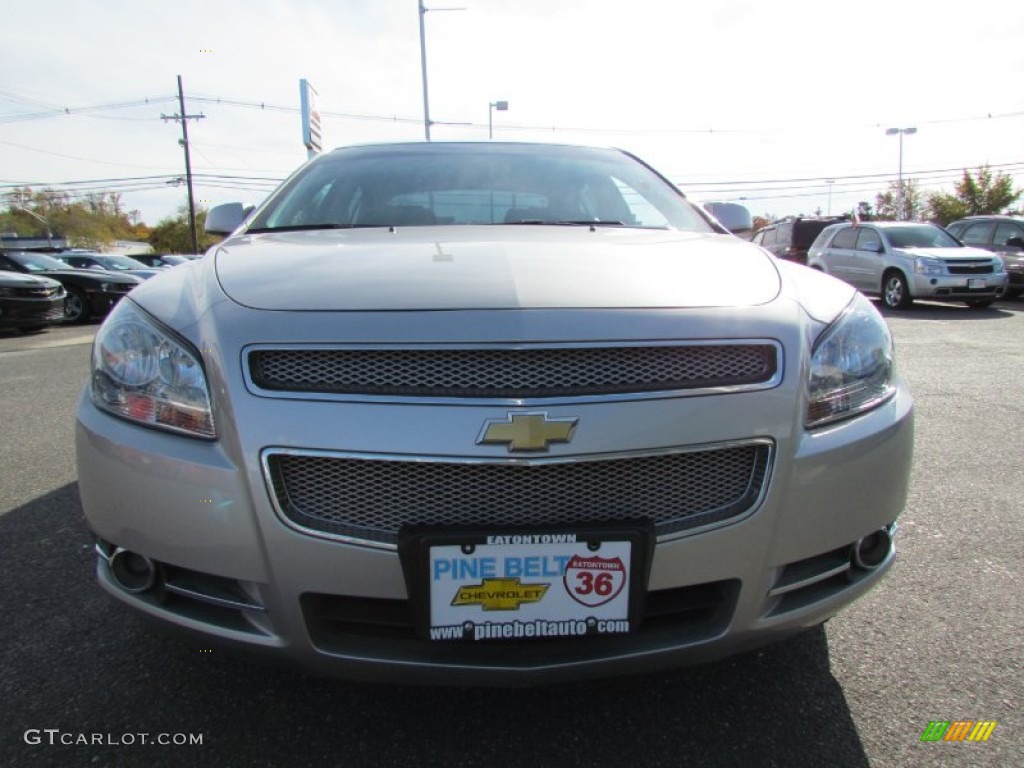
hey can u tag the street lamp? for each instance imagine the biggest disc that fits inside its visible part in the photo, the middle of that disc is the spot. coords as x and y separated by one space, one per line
501 106
34 215
830 182
427 122
899 193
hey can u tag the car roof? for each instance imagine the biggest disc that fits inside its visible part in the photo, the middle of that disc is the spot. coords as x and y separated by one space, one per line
991 217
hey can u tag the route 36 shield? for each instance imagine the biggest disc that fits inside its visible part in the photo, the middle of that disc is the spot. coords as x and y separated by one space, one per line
594 581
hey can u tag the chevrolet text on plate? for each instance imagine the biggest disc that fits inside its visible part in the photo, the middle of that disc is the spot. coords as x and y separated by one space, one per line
491 413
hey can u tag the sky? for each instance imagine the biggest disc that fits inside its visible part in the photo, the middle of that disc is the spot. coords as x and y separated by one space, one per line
761 103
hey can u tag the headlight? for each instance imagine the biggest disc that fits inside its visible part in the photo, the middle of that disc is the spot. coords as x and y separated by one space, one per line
926 266
852 366
144 373
997 265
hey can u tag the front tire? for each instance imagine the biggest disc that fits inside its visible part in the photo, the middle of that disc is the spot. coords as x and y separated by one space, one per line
895 291
76 307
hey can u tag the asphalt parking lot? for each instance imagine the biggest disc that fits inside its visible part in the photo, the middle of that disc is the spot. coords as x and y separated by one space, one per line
940 639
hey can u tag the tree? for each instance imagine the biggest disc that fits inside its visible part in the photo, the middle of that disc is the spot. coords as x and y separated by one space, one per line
974 195
91 222
172 234
887 203
762 221
864 211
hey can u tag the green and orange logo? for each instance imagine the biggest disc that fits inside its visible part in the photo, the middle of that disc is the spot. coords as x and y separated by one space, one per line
958 730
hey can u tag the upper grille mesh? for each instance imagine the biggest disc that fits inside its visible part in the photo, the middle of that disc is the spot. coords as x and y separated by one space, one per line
371 499
512 373
956 268
38 292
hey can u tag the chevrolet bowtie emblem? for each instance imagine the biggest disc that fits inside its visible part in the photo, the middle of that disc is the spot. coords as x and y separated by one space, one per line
528 431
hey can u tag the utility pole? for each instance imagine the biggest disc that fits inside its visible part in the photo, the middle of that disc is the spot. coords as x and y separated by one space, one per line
183 141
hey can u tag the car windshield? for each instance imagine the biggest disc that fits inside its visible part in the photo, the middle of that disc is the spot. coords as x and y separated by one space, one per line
118 263
922 236
36 262
475 184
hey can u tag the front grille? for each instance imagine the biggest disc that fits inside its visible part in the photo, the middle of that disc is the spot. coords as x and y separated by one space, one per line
969 269
38 292
370 499
512 373
120 287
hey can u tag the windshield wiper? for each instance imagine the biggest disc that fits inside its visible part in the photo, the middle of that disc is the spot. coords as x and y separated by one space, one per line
570 223
296 228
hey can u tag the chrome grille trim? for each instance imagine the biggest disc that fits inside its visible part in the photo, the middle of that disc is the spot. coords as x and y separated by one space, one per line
579 488
511 374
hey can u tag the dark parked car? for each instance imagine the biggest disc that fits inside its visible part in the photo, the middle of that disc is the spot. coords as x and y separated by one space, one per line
1000 234
89 292
790 238
108 262
29 303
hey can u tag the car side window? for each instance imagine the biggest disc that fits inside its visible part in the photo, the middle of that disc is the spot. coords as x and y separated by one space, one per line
1007 230
845 238
978 233
769 237
783 233
868 240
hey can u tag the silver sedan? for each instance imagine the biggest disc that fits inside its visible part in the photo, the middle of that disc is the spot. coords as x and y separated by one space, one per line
494 414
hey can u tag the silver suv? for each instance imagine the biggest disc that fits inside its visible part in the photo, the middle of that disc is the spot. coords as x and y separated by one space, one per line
902 261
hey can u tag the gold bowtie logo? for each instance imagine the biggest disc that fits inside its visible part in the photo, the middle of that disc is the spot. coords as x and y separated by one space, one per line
499 594
528 431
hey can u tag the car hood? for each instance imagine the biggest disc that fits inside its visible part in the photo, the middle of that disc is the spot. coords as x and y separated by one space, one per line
496 267
96 275
966 252
19 280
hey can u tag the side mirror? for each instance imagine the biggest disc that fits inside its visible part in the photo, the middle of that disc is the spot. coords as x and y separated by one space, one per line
224 219
733 216
1016 242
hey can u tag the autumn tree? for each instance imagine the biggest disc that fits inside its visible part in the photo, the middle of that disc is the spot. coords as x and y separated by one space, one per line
973 195
172 234
887 203
92 221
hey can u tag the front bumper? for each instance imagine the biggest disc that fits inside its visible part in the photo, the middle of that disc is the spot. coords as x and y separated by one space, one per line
959 287
228 568
101 302
28 313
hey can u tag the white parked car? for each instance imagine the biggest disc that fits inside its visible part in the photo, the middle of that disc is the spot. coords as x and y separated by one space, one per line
902 261
491 413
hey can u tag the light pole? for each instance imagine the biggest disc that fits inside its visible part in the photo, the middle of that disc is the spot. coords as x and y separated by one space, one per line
423 64
899 192
830 182
34 215
501 106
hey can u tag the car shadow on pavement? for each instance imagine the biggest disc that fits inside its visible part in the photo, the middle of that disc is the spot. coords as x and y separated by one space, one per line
75 660
959 312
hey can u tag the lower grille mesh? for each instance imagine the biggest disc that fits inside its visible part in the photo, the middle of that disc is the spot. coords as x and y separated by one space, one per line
371 499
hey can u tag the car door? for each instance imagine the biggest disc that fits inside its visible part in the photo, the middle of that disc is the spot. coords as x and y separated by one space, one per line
978 235
838 255
867 260
1005 232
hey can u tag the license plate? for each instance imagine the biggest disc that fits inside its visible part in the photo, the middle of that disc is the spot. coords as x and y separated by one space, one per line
976 282
527 585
